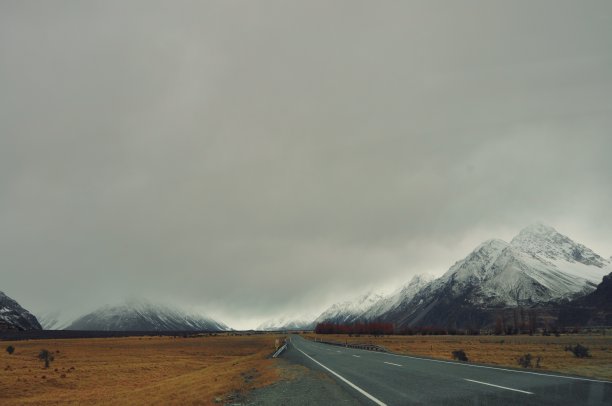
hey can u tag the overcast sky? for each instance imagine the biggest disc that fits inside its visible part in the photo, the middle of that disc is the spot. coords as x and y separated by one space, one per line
253 158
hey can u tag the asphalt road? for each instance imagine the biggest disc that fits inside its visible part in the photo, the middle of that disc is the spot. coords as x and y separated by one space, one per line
388 379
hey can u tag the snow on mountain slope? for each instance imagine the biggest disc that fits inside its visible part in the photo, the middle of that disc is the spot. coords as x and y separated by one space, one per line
139 315
15 317
285 323
403 294
545 242
54 320
539 266
350 310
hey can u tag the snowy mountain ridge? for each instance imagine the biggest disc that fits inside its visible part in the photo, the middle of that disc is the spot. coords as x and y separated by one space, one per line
351 310
538 266
141 315
285 323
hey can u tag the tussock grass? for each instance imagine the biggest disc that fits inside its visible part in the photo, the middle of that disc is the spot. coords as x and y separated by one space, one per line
137 370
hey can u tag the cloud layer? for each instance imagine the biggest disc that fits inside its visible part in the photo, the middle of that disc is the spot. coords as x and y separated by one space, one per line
256 158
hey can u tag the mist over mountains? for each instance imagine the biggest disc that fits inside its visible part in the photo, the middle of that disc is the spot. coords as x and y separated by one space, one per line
539 268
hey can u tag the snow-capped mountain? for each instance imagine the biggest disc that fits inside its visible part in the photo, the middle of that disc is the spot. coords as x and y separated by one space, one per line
15 317
403 294
538 266
139 315
285 323
546 243
351 310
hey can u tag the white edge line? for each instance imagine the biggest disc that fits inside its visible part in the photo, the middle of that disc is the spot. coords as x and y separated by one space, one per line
349 383
391 363
497 368
498 386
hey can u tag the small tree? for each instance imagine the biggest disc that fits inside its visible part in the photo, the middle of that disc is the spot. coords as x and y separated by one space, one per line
47 356
525 361
10 349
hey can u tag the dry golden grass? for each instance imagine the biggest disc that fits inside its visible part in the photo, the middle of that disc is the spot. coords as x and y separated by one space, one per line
136 370
502 350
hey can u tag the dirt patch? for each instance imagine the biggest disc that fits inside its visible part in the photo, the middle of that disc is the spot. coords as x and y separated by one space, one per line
300 386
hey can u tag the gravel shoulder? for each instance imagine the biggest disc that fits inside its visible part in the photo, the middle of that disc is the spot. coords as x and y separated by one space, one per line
300 386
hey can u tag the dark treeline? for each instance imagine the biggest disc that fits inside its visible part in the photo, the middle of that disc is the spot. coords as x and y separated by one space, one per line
378 329
355 328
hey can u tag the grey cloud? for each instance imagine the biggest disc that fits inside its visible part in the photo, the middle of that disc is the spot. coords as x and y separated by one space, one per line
247 156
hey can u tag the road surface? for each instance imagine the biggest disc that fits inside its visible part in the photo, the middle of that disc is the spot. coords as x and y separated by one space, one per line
388 379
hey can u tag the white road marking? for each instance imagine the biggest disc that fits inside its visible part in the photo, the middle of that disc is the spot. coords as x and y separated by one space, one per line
338 351
498 386
349 383
391 363
356 356
496 368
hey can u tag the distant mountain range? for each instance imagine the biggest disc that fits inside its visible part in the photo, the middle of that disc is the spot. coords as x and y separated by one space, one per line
140 315
283 323
539 267
15 317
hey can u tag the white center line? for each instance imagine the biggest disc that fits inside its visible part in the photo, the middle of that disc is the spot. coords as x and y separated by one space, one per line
498 386
391 363
357 356
349 383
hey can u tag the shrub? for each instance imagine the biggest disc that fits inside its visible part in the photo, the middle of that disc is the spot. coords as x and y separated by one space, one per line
525 361
46 356
10 349
579 351
459 355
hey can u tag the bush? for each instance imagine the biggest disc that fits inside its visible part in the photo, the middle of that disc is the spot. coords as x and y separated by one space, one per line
579 351
46 356
525 361
10 349
459 355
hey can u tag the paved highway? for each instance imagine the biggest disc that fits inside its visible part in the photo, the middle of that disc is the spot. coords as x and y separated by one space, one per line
388 379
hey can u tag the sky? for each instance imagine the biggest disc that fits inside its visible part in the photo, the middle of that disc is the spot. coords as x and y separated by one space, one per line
251 159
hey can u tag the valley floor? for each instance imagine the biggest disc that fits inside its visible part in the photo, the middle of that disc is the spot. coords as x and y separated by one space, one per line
137 370
501 350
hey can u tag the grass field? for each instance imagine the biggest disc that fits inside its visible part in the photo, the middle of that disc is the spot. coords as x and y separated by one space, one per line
136 370
502 350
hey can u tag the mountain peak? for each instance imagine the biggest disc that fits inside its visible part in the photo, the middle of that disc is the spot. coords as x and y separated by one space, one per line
546 242
136 314
538 229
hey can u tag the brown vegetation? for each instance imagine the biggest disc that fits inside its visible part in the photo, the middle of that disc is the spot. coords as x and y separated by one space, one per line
137 370
502 350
